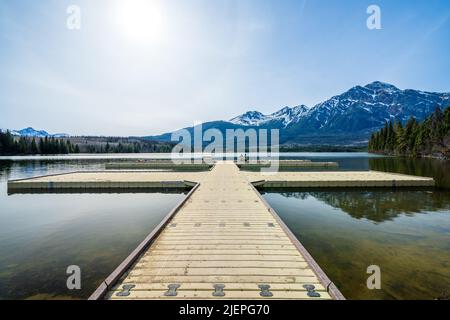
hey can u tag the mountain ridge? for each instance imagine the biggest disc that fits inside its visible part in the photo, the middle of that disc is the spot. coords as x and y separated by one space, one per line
285 116
348 118
31 132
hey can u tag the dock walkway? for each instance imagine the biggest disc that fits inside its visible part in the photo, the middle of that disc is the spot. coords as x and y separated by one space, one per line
224 242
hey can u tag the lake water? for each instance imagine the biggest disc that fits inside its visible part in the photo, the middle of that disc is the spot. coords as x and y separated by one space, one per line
42 234
405 232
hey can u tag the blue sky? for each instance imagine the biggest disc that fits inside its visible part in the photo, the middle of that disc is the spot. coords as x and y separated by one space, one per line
141 67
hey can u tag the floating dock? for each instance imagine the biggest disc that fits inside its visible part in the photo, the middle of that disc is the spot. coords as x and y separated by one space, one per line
157 166
288 164
192 166
223 241
123 180
336 179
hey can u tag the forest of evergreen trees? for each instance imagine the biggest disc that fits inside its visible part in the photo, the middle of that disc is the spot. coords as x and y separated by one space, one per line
14 145
429 138
129 147
120 145
11 145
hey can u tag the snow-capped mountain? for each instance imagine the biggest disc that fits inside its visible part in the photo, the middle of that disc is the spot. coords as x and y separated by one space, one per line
348 118
30 132
250 118
283 117
362 110
359 111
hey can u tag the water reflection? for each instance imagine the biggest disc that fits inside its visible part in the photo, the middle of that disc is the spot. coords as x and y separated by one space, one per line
42 234
10 170
437 169
405 232
378 205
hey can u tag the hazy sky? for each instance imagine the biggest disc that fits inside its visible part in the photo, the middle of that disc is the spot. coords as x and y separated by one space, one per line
141 67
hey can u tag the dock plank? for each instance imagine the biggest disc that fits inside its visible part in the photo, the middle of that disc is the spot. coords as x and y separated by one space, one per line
153 257
149 263
308 279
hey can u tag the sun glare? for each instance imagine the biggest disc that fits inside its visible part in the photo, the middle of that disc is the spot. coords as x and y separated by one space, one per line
140 20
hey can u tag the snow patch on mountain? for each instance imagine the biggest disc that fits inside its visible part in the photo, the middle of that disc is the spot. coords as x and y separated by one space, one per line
285 116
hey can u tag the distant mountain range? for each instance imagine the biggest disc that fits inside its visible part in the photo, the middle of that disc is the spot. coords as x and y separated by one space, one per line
30 132
346 119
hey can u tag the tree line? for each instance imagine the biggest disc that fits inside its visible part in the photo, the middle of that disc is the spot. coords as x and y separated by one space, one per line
12 145
124 145
114 148
429 138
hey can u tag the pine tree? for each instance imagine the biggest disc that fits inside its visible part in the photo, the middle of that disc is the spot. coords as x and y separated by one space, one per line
22 146
391 138
41 146
7 145
62 147
45 149
409 135
69 147
447 119
33 147
437 129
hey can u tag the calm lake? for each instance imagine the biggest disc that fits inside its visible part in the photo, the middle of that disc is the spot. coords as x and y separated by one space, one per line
405 232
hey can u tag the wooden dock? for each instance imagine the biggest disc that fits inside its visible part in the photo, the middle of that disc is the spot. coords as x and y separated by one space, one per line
337 179
288 164
133 179
192 166
223 241
153 165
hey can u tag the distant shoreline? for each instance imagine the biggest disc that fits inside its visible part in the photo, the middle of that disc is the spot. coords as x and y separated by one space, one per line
424 156
167 156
